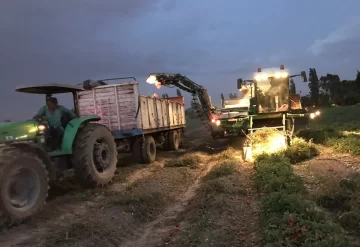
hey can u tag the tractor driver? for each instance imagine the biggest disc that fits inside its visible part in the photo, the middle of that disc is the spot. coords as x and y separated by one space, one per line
54 114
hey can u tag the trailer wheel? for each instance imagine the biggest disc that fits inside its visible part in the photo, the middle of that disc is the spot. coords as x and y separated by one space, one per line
174 140
148 150
136 150
23 186
95 156
181 142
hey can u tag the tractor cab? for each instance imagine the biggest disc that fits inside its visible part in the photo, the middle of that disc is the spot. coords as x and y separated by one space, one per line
48 90
41 130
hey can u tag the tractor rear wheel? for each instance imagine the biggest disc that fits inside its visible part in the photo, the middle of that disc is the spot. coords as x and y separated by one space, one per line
94 156
23 186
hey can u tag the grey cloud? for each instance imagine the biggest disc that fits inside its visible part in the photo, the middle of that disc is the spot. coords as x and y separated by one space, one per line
343 34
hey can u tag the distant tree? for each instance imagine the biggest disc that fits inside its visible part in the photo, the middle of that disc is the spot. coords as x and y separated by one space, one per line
222 99
292 87
314 86
7 121
306 101
357 81
165 95
178 92
232 96
331 86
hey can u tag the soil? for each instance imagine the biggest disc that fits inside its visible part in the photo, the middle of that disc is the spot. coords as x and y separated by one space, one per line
144 206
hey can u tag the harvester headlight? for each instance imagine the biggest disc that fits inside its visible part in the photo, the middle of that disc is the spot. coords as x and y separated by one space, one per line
284 74
41 127
277 75
264 76
213 120
312 115
217 122
258 77
317 113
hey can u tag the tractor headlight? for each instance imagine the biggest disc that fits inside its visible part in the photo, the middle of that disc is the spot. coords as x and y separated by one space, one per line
41 127
217 122
317 113
312 115
213 120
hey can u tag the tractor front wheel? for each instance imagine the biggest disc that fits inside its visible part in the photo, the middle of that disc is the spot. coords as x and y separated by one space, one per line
23 186
94 156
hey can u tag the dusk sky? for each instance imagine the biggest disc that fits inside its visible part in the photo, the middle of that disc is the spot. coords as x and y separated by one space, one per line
212 42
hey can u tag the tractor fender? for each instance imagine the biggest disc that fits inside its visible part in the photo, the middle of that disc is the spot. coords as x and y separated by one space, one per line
33 148
71 131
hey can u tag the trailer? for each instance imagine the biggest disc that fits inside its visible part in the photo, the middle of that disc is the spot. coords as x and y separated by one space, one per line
138 123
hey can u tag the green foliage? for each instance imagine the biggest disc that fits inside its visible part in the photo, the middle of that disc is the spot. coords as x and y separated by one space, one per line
188 160
337 127
348 144
274 174
288 218
225 168
300 150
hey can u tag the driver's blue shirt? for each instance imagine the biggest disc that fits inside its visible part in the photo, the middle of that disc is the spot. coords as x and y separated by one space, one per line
54 118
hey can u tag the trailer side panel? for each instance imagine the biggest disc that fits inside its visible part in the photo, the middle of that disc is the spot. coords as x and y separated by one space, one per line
127 114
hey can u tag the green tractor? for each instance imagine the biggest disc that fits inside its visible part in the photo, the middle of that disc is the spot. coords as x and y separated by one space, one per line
28 166
266 103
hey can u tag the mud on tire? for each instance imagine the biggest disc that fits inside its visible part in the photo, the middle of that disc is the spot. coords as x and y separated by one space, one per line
94 156
23 186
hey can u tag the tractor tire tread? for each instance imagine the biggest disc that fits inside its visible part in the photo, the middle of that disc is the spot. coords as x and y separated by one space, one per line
81 159
8 156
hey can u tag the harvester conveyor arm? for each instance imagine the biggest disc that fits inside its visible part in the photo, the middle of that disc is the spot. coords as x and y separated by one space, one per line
199 93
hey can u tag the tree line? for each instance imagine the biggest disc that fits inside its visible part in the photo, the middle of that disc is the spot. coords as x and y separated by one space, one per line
330 90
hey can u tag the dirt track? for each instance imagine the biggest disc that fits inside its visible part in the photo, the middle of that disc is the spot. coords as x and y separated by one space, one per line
145 206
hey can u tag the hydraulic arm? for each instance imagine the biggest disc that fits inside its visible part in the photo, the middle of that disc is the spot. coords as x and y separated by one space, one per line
200 100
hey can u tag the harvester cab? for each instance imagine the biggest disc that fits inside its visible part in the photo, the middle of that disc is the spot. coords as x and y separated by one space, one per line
270 91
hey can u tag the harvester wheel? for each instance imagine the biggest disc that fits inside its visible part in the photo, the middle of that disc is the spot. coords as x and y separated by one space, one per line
23 186
94 156
174 140
148 150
